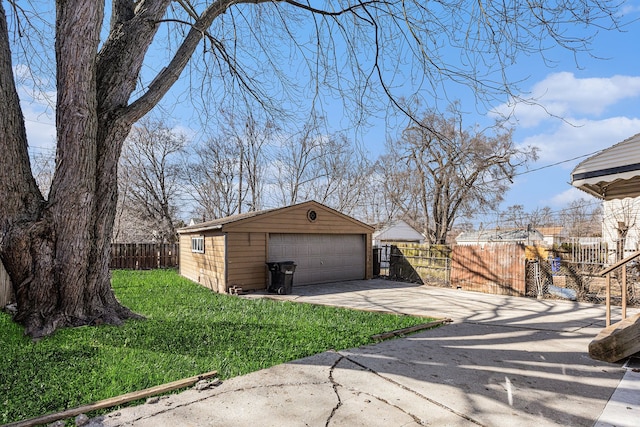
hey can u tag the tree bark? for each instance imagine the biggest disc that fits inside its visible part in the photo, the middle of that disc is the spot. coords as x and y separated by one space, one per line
57 251
23 233
54 252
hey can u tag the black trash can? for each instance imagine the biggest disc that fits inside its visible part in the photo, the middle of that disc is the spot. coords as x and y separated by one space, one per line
281 277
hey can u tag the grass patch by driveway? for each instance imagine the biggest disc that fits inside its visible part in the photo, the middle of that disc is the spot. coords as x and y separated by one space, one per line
189 330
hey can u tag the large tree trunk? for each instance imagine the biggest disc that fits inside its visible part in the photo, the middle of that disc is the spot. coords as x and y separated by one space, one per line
56 253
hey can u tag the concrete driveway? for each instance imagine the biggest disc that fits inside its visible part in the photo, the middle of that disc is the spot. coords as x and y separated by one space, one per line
504 361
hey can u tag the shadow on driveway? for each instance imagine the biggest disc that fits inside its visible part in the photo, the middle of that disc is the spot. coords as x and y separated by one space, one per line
504 361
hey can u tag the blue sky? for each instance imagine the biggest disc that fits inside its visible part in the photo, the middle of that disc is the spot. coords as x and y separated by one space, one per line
598 100
599 103
588 106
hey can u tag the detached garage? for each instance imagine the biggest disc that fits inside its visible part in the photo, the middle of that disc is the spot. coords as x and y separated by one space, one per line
326 246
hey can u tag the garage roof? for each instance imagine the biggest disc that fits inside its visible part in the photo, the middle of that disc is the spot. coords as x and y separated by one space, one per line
217 224
613 173
222 223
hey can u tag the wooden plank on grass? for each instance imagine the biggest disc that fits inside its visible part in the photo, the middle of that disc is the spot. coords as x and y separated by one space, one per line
113 401
410 329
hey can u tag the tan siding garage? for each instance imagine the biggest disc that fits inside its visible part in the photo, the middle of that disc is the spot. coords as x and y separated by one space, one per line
325 244
321 258
207 268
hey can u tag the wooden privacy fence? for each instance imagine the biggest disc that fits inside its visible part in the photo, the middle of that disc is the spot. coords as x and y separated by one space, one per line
420 263
6 291
493 268
140 256
144 256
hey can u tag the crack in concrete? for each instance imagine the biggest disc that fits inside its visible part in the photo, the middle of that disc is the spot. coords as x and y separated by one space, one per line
420 395
386 402
334 385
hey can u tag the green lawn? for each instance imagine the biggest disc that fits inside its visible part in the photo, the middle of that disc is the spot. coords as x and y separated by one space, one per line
189 330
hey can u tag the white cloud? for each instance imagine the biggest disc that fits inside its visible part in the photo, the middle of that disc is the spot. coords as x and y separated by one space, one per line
579 137
564 95
629 9
37 104
185 131
40 124
566 197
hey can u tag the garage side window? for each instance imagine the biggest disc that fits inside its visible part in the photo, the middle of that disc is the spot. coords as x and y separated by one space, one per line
197 244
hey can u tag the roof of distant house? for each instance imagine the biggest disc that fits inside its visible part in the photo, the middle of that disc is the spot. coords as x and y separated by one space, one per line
398 231
551 231
500 235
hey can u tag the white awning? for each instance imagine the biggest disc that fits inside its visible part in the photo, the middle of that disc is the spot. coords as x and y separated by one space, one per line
613 173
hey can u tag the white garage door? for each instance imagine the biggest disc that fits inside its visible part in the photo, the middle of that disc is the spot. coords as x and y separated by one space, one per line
320 258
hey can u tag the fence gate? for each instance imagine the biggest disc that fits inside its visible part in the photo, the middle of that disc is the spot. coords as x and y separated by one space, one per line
493 268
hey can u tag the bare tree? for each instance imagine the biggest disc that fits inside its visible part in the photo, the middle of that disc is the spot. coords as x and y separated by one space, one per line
43 166
228 170
328 168
388 181
253 145
343 174
150 181
375 207
542 217
296 163
213 175
582 218
445 172
56 249
514 217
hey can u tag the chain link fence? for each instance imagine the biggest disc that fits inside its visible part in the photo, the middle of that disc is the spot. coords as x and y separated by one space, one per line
560 278
567 276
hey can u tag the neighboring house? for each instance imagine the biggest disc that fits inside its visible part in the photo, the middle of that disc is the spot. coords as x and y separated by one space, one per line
524 236
325 245
397 231
613 175
553 236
